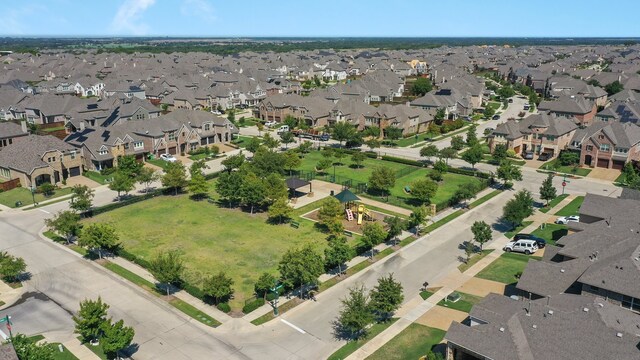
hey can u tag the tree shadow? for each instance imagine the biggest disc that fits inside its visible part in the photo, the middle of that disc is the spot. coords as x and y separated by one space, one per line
502 226
131 349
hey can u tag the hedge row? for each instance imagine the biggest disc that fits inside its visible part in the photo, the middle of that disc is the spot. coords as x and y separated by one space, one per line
252 305
403 161
129 201
370 154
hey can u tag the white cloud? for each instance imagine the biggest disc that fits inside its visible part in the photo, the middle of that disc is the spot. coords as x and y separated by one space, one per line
198 8
128 18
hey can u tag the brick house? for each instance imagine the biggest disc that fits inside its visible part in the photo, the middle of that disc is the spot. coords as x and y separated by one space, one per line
577 107
10 132
607 144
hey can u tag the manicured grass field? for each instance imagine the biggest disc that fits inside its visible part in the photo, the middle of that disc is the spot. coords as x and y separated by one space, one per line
555 166
551 232
352 346
9 198
97 177
465 303
346 171
211 238
412 343
512 233
505 268
572 208
553 203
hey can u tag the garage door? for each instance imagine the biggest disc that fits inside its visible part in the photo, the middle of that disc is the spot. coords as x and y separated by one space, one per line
617 164
74 171
603 163
173 150
161 151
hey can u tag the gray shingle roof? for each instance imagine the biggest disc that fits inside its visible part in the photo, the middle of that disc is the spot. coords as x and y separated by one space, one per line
26 155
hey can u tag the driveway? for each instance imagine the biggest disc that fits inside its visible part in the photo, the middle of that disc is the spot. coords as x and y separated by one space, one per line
604 174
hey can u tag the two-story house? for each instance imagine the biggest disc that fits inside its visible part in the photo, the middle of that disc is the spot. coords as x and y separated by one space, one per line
575 107
607 144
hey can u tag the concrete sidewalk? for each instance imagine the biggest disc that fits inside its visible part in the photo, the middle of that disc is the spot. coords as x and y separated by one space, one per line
80 351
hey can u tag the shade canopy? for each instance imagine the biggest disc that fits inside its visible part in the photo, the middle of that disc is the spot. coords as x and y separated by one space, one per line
346 196
295 183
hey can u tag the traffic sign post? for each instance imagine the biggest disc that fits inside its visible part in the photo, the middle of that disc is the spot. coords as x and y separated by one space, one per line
276 293
564 183
7 319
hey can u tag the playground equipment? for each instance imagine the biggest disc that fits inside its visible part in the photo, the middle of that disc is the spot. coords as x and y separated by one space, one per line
359 211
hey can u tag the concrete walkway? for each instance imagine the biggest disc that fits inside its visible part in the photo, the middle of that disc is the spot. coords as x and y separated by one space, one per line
80 351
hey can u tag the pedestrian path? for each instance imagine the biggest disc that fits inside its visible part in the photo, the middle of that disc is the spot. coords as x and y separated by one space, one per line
80 351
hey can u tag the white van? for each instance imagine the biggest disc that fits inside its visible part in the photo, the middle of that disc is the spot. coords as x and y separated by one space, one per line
523 246
283 129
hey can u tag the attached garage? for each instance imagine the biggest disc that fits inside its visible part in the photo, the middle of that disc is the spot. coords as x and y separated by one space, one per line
74 171
617 164
603 163
173 150
161 151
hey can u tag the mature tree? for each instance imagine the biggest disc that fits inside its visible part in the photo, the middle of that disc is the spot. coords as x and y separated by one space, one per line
429 151
234 162
129 165
421 86
231 116
253 144
330 215
386 297
629 172
473 155
448 153
115 338
65 223
372 131
393 133
508 172
11 267
395 226
337 253
291 160
269 141
464 193
373 144
322 165
472 137
355 314
506 92
457 142
614 88
418 217
358 158
198 186
440 166
343 131
267 162
423 190
439 117
219 287
305 147
175 176
518 208
499 153
287 138
372 235
90 319
382 179
547 190
481 232
469 249
569 158
27 349
252 191
146 176
301 266
265 283
98 237
290 121
228 186
280 210
167 267
122 182
81 198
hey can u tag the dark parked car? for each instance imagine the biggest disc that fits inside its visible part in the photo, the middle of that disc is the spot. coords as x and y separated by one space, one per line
540 241
528 155
510 100
544 157
496 117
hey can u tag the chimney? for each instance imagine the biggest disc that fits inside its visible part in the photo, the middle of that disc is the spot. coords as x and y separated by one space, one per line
619 78
81 125
23 125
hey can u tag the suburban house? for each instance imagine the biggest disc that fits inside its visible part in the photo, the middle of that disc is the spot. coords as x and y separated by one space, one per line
453 102
313 110
607 144
539 133
621 111
10 132
576 107
36 160
410 120
562 86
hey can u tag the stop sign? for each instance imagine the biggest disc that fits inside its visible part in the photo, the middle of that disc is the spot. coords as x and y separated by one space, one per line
564 183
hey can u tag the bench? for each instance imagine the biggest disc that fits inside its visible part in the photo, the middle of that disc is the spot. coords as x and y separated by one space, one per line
295 224
407 189
348 233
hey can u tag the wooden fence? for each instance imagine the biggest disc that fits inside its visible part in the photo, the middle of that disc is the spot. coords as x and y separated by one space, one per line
8 185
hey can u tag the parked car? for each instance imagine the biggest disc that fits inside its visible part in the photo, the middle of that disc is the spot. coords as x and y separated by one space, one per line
540 241
283 129
523 246
496 117
544 157
528 155
564 220
270 123
216 112
324 137
168 157
526 106
510 100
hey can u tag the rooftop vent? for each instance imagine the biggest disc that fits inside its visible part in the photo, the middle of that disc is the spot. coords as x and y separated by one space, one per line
562 270
534 326
600 305
585 310
550 312
501 329
619 335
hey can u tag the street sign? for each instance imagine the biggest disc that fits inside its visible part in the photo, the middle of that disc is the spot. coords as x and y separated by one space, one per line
564 183
6 319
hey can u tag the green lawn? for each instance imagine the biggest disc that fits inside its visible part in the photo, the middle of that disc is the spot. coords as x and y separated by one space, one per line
551 232
57 355
426 294
96 350
346 171
553 203
97 177
572 208
505 268
465 303
241 141
412 343
474 259
352 346
158 162
554 165
9 198
512 233
211 238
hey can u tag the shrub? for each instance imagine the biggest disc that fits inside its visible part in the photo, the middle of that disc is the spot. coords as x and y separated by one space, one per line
107 171
252 305
224 307
46 189
403 161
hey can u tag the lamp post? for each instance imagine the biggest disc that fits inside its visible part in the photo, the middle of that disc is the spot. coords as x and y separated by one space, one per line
33 195
276 293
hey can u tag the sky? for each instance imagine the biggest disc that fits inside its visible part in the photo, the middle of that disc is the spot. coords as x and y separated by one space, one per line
327 18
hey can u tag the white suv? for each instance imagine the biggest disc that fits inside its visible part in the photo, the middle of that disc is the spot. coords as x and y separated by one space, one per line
523 245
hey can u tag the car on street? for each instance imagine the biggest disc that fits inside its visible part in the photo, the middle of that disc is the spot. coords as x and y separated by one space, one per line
523 246
528 155
510 100
324 137
564 220
526 107
168 157
270 123
283 129
496 117
540 241
544 157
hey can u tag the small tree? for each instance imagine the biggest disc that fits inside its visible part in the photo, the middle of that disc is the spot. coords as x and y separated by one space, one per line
228 186
499 153
175 176
448 153
291 160
421 86
382 179
338 253
330 215
393 133
395 226
46 189
290 121
27 349
122 182
338 154
305 147
300 267
372 235
518 208
129 166
508 172
234 161
355 314
440 166
423 190
253 145
386 297
439 117
231 116
98 237
115 338
457 142
322 165
146 176
463 193
372 131
65 223
472 136
429 151
343 131
569 158
287 138
547 190
11 267
358 158
198 186
219 287
473 155
81 198
280 210
419 216
373 144
264 284
481 232
614 87
469 249
252 191
90 319
260 127
269 141
167 267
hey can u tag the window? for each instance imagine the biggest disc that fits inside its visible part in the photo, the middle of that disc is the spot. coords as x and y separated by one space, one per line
138 145
604 147
172 136
5 173
126 146
589 147
601 137
207 127
550 137
621 150
102 152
